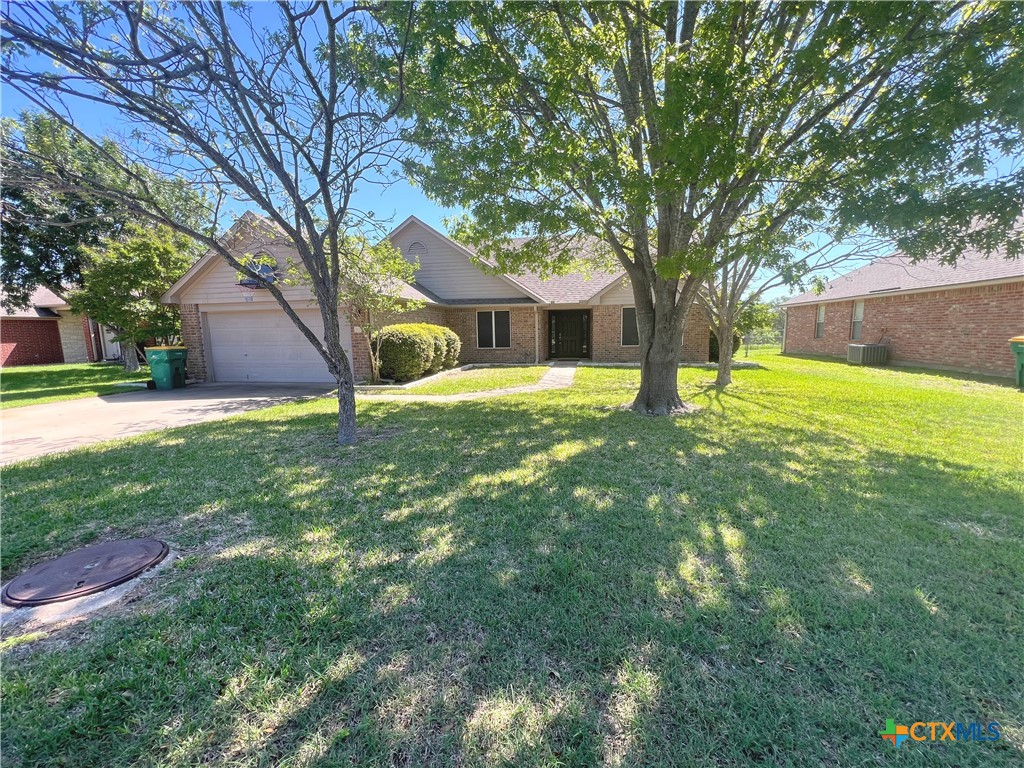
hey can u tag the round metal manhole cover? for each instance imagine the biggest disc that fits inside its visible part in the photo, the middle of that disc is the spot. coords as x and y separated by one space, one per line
84 572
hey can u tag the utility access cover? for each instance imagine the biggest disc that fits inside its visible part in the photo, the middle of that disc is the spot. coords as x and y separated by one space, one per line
84 572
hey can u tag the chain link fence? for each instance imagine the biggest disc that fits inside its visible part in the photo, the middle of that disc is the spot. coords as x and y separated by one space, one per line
761 340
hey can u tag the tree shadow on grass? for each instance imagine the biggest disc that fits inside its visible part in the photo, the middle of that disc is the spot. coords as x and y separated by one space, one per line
485 583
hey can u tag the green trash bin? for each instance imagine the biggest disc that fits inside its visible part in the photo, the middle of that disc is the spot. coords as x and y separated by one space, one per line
1017 345
167 365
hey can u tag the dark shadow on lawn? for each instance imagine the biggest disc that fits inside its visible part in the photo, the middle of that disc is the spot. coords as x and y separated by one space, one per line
484 584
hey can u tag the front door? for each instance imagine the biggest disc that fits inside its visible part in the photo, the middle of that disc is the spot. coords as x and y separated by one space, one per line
569 334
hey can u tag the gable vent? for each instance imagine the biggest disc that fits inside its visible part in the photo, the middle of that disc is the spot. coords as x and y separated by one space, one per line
416 250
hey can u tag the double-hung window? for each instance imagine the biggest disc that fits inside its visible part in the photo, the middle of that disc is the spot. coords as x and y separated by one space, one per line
858 320
494 329
819 324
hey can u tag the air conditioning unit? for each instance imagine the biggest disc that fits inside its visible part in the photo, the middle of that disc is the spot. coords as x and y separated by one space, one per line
867 354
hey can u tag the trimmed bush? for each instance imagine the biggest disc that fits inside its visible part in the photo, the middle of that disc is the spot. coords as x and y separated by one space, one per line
453 348
440 346
409 350
406 351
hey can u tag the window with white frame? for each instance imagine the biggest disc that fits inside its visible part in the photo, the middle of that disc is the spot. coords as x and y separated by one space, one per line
819 323
858 320
494 329
630 336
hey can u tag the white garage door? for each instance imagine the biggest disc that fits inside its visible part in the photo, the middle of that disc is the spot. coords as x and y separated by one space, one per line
266 346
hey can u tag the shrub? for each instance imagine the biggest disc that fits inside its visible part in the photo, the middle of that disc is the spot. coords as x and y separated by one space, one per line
436 333
453 348
406 351
713 346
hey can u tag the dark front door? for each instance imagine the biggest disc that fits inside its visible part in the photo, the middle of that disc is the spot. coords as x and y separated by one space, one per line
569 333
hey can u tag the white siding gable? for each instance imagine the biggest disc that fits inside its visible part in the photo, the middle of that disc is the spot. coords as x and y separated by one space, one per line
446 271
217 283
621 292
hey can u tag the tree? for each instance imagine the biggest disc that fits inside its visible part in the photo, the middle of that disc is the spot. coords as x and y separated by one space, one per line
124 281
283 119
373 295
731 296
658 127
47 230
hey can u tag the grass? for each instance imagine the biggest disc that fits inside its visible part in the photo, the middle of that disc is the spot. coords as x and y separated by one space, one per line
546 580
36 384
480 380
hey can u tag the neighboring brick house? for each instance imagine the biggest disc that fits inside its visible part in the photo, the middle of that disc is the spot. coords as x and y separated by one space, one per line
243 335
930 315
47 332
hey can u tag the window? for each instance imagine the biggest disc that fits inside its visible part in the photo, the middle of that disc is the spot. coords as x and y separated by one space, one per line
494 329
858 320
630 336
819 325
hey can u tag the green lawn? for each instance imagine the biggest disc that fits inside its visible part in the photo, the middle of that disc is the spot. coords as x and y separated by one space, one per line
35 384
545 579
479 380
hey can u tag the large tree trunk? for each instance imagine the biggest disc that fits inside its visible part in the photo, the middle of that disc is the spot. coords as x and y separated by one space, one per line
661 311
660 327
659 378
725 354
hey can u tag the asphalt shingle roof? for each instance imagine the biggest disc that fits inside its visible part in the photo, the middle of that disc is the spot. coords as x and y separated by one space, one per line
897 273
40 304
571 288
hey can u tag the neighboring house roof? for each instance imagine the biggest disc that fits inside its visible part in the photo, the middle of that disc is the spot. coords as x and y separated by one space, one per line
898 274
43 303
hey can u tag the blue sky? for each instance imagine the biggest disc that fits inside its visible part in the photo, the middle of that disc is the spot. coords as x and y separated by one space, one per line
397 201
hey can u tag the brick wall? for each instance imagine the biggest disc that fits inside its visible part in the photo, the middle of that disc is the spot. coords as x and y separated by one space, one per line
696 336
74 342
24 341
192 338
606 330
604 336
962 329
361 346
463 322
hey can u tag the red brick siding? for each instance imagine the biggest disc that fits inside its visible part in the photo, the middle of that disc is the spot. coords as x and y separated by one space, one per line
962 329
192 337
24 341
361 346
523 349
606 336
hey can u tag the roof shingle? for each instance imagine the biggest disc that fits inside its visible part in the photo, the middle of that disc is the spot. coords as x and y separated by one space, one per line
898 274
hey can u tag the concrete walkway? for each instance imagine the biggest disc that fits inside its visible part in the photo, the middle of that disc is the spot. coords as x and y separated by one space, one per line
37 430
559 376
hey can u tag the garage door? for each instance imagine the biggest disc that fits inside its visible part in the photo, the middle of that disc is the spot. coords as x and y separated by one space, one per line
266 346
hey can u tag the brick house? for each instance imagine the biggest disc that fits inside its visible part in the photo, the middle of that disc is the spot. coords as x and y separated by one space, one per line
930 315
47 332
243 335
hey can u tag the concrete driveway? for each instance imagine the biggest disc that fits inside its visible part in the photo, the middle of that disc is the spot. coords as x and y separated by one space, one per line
36 430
